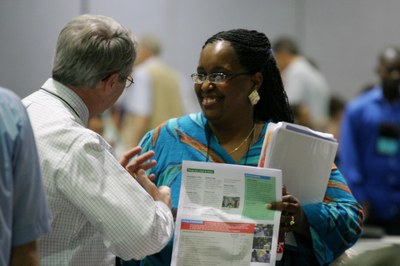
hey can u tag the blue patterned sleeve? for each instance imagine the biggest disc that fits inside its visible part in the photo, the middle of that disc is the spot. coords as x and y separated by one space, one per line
146 142
335 224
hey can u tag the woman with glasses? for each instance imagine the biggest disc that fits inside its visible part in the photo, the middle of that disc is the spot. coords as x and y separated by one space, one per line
239 89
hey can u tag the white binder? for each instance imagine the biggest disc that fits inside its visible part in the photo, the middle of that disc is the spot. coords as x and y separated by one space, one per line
305 157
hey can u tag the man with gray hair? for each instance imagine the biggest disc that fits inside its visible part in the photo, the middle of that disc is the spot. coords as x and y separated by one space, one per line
99 210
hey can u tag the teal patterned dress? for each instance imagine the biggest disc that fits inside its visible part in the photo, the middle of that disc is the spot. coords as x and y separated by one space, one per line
335 223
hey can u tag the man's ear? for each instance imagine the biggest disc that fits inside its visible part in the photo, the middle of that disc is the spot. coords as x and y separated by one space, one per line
111 81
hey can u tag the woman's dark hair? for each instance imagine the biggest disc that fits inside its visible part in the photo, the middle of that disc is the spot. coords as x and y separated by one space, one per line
255 54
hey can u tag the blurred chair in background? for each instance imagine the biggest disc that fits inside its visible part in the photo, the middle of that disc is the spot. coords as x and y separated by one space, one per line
385 256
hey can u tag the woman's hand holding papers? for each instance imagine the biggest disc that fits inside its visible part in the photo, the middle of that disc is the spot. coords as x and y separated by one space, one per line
292 218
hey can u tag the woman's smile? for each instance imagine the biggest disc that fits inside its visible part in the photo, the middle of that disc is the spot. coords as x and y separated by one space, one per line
209 101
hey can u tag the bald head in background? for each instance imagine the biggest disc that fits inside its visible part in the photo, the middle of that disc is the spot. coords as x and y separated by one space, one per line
388 70
148 46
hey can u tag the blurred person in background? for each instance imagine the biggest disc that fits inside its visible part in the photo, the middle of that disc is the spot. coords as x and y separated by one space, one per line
96 123
156 96
370 145
304 83
336 109
108 126
24 214
333 123
301 115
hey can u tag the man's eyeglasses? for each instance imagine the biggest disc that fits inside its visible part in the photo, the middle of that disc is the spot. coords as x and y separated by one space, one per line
216 78
129 81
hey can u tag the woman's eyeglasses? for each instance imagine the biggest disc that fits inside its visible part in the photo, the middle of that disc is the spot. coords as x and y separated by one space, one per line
216 78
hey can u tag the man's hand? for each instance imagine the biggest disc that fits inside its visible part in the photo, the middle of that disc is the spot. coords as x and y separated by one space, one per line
137 166
140 162
162 193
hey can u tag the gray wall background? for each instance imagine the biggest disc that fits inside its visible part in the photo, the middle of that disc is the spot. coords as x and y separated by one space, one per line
342 36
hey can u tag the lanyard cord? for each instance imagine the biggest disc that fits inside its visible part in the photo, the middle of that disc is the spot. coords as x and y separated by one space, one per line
59 97
208 135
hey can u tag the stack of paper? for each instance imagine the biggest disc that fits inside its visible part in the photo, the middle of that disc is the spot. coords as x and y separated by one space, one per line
305 157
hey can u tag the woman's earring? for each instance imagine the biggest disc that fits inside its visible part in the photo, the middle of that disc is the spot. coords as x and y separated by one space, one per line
254 97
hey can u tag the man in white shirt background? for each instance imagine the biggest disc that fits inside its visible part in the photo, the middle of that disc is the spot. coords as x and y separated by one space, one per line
304 83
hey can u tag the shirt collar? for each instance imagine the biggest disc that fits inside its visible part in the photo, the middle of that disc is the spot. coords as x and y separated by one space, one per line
376 94
70 97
